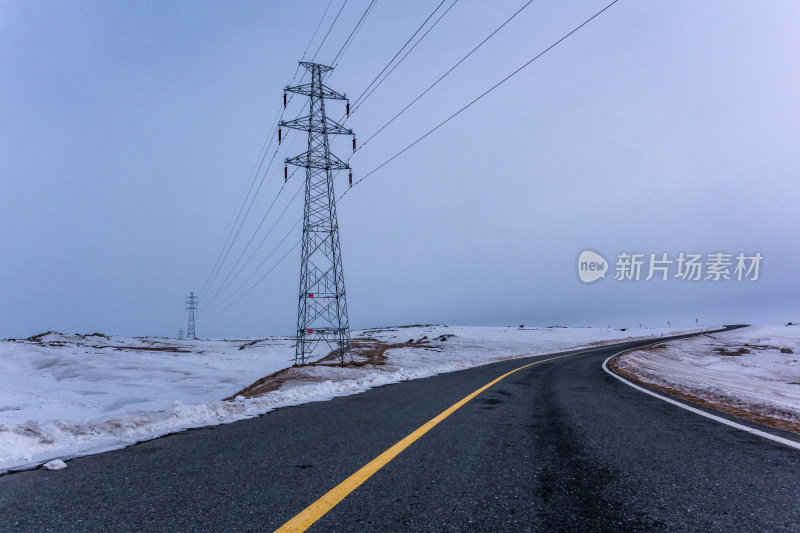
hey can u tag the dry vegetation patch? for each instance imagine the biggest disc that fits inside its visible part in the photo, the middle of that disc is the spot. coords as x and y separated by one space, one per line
366 351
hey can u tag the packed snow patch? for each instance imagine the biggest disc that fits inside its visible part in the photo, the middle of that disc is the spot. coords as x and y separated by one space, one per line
56 464
752 370
63 396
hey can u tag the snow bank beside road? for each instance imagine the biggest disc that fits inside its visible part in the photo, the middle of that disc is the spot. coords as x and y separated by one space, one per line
752 372
67 395
63 396
86 377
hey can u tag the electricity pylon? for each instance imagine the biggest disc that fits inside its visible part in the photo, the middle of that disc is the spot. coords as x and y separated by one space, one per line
322 306
180 333
191 306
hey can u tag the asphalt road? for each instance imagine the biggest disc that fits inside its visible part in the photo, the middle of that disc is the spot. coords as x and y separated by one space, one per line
559 446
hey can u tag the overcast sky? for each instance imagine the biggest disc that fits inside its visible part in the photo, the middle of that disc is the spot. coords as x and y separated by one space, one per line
129 132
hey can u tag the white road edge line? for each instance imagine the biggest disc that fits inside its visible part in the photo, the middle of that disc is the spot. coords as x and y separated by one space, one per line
719 419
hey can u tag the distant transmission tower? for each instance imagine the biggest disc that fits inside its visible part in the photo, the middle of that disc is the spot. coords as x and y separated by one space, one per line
191 306
180 333
322 306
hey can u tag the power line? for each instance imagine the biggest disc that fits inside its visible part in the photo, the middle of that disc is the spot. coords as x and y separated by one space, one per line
443 76
263 277
406 55
242 221
223 254
255 198
329 30
260 280
249 208
495 86
349 39
312 38
244 250
268 272
399 51
229 231
231 277
352 33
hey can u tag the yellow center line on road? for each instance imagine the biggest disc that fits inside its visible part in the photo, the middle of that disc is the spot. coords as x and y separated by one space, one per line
317 510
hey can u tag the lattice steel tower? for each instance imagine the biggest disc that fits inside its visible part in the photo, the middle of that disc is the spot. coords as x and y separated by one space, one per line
191 306
322 306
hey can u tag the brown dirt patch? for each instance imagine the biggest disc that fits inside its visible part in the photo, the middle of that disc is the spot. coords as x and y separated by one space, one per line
761 347
366 351
146 348
773 422
733 353
273 382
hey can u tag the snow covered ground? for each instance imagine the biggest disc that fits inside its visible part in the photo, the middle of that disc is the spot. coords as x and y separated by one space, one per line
754 369
62 396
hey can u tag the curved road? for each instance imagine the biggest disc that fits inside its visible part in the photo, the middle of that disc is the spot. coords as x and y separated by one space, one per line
557 446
